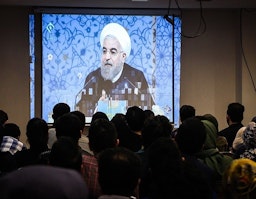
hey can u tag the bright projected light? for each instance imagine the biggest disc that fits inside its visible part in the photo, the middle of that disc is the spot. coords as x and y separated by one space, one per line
71 49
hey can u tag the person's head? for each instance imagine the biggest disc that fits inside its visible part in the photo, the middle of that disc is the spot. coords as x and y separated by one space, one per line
66 153
222 143
249 136
211 134
235 113
239 179
162 152
102 135
135 118
12 129
43 181
172 176
119 171
99 114
68 125
126 138
191 136
253 119
59 109
3 117
81 116
186 111
116 47
212 119
37 132
149 114
154 128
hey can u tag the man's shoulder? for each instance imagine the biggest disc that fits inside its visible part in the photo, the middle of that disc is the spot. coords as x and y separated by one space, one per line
94 73
128 67
131 72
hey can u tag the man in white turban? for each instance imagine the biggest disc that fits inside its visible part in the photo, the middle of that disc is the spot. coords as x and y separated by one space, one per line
115 79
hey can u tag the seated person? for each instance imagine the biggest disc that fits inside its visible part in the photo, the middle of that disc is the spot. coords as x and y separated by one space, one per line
239 179
119 173
41 182
66 154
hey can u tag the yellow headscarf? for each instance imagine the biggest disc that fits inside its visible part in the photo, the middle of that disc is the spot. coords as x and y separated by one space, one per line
240 177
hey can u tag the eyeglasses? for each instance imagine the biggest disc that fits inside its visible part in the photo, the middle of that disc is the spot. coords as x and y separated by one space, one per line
113 52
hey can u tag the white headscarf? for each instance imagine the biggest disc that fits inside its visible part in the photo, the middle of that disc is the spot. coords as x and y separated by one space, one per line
118 32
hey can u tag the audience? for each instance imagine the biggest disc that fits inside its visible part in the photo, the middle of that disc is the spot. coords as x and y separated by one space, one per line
8 145
212 119
222 145
234 117
171 176
191 138
239 180
83 142
186 111
119 173
126 137
69 125
41 182
135 118
3 117
154 128
65 153
248 149
37 136
98 115
148 114
10 140
238 141
102 135
58 110
12 129
212 157
133 155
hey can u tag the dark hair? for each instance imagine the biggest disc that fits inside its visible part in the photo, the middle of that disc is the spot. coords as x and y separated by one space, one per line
186 111
68 125
173 177
59 110
3 117
119 171
191 136
236 112
98 115
126 137
135 118
158 126
148 114
253 119
102 135
81 117
212 119
66 153
37 132
12 129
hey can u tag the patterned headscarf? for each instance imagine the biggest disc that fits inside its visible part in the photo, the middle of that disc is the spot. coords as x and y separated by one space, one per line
240 177
249 138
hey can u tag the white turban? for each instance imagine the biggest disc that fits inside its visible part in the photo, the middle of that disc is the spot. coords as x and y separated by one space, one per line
118 32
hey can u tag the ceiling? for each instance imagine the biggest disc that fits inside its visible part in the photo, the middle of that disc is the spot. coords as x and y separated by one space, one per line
141 4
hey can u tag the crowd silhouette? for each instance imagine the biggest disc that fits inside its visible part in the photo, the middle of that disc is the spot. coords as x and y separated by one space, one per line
133 155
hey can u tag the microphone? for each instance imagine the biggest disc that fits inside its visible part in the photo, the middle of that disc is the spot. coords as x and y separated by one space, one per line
80 92
136 89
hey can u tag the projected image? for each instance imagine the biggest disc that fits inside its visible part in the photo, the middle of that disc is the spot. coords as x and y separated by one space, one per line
110 62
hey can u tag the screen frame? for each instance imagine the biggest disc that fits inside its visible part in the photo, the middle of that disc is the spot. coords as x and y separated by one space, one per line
37 12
